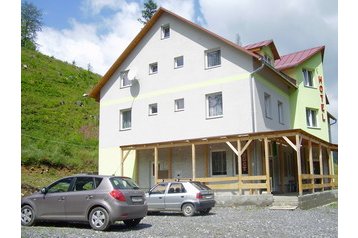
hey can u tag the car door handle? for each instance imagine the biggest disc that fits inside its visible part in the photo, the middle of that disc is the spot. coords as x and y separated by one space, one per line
182 196
89 197
160 197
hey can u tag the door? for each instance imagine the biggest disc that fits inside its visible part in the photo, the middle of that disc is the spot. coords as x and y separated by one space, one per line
175 196
52 204
155 199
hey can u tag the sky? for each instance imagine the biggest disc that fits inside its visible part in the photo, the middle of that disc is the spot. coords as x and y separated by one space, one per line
95 32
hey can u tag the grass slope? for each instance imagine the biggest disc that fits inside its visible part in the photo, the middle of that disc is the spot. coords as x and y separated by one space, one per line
59 127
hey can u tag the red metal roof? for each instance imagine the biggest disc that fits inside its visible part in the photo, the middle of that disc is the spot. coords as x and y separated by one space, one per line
294 59
261 44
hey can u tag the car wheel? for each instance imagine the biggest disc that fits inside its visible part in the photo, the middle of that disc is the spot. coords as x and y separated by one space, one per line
188 209
205 212
27 216
99 219
132 222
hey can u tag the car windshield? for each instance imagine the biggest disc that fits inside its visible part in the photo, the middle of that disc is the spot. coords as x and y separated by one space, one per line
123 183
200 186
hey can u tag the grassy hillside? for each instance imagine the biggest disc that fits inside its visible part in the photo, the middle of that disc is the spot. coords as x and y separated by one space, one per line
59 127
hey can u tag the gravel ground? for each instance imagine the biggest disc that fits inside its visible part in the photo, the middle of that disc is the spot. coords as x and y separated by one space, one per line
221 222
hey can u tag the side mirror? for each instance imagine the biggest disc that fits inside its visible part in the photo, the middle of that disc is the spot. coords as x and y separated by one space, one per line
43 190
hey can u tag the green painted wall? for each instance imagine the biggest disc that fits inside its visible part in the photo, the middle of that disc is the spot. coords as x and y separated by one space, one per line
309 97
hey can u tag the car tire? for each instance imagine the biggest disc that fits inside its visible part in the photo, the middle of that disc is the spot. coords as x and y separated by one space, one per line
99 219
132 222
27 216
188 209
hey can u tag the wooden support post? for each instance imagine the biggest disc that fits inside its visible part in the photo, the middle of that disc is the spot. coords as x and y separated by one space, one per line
299 171
121 162
239 165
193 158
282 168
170 163
320 164
155 164
310 156
206 158
330 165
267 166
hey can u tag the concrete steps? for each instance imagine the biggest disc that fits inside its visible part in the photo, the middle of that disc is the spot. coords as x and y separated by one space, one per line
284 203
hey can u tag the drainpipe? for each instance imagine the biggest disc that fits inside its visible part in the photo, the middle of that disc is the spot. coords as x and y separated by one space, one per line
252 91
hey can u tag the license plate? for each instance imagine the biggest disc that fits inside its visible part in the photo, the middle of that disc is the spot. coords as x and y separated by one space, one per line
137 199
209 196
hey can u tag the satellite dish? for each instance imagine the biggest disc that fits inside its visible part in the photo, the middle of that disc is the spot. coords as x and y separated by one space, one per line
135 87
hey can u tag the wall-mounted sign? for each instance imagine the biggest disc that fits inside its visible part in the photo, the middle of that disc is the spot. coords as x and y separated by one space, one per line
321 94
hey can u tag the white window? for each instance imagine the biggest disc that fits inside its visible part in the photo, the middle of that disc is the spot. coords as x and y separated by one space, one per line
178 62
213 58
268 105
153 68
311 117
126 119
280 112
218 163
165 31
214 105
153 109
125 82
179 105
267 58
308 78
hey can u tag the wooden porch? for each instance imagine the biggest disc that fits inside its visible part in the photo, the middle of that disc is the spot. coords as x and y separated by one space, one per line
296 139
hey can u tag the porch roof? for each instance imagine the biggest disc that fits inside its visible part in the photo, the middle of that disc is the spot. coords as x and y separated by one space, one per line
276 135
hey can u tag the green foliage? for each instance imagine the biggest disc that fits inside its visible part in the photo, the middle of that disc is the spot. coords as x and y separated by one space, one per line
31 23
59 126
150 8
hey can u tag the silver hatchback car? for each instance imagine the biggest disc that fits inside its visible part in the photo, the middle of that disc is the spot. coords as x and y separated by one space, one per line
99 200
188 197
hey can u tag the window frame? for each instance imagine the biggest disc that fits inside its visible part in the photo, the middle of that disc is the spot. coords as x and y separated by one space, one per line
308 82
208 116
151 65
176 66
176 108
225 170
122 74
280 109
207 52
150 109
163 31
122 128
268 105
315 117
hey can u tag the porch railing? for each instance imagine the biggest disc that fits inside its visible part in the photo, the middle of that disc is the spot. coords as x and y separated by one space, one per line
231 183
316 181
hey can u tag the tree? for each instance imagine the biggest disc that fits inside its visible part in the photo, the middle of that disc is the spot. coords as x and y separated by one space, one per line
150 7
31 23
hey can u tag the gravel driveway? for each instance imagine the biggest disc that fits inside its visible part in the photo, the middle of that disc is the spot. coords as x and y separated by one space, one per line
221 222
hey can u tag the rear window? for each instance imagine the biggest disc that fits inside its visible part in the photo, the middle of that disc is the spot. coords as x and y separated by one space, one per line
123 183
200 186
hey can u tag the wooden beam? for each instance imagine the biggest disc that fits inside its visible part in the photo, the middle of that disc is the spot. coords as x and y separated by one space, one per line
290 143
193 158
310 157
206 158
232 148
155 164
267 166
121 162
320 161
239 164
299 170
126 155
282 167
245 146
170 163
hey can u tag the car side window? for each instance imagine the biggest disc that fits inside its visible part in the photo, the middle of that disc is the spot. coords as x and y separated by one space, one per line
60 186
176 188
159 189
84 183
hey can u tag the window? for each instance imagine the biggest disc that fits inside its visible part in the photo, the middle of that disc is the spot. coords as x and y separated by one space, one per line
176 188
153 109
308 78
267 59
153 68
268 105
159 189
179 105
165 31
213 58
178 62
280 112
60 186
218 163
214 105
126 119
84 183
311 117
125 82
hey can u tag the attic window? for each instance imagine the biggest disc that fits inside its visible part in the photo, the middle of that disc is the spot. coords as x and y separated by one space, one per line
267 59
125 82
165 31
153 68
213 58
